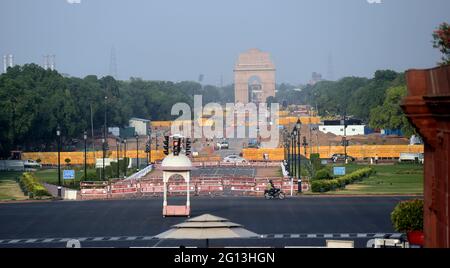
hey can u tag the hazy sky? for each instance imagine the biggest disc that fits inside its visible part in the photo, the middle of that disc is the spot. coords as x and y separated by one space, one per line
180 39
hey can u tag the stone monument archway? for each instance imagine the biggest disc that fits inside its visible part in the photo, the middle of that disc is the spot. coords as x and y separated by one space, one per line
254 63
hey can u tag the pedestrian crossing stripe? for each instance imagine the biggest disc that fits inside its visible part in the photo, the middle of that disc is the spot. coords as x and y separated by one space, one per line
143 238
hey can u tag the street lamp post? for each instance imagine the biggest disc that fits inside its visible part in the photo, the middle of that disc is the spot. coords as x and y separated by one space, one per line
104 154
298 127
294 141
117 155
344 139
58 134
137 151
125 158
288 146
150 148
85 152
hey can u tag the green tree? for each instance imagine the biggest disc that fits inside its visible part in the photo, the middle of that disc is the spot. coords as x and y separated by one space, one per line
390 115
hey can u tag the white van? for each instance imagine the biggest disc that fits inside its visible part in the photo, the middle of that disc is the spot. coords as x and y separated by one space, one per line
411 157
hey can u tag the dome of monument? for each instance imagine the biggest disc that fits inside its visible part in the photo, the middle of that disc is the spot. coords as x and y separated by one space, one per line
176 163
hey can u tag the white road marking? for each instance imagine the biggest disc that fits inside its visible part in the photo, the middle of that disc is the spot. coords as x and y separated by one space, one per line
263 236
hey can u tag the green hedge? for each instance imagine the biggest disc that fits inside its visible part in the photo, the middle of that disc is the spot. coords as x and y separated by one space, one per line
320 186
323 174
32 187
408 216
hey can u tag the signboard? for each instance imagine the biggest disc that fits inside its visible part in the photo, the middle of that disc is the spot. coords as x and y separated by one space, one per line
69 174
339 171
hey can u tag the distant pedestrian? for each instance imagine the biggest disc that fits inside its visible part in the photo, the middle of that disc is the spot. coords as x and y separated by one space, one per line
376 159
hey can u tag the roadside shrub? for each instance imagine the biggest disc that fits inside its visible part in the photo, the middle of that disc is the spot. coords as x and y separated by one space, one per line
316 162
31 186
91 176
324 185
323 174
408 216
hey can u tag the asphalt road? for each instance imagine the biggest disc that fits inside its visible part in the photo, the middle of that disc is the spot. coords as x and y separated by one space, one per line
304 221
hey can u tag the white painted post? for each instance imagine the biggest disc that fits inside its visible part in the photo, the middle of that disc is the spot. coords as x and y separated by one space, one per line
292 186
188 201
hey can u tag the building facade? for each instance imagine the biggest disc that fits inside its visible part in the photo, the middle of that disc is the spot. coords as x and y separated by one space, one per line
140 125
427 107
352 130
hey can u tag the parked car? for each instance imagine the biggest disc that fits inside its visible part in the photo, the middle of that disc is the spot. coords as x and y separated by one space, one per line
223 145
253 144
341 157
31 164
234 159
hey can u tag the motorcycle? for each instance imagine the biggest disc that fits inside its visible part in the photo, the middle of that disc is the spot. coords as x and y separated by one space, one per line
274 194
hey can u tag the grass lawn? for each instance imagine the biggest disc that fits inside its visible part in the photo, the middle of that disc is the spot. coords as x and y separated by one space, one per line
389 179
9 188
51 176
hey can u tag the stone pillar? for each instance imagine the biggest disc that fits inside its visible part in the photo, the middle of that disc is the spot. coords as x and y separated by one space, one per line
427 107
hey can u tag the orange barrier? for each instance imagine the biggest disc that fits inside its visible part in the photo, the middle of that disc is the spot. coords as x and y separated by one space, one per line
357 151
77 158
304 120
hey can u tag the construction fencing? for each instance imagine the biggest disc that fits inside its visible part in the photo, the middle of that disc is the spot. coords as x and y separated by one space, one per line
205 186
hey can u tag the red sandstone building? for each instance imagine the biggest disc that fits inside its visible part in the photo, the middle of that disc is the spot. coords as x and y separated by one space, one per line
427 106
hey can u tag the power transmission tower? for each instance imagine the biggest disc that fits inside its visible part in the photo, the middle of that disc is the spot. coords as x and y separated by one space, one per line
113 64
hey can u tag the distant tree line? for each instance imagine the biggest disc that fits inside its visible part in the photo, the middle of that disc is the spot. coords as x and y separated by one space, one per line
376 101
35 101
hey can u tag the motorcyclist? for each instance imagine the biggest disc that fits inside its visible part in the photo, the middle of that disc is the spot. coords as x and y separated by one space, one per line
271 187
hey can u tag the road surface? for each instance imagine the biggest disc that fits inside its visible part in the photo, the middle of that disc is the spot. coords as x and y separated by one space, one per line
302 221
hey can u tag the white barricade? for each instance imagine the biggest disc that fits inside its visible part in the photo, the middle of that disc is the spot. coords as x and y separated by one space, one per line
140 173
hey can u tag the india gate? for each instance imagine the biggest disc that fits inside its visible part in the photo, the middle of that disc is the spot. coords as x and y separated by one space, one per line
254 77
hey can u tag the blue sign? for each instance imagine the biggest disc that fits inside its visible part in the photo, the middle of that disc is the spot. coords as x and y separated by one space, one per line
69 174
339 171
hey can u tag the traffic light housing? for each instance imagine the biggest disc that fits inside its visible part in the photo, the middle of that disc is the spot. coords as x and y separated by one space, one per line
188 146
147 148
176 147
344 142
166 145
305 143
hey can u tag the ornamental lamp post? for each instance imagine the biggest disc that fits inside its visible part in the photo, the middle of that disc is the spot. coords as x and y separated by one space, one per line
117 156
125 158
104 154
85 152
294 141
58 134
137 151
298 125
344 139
